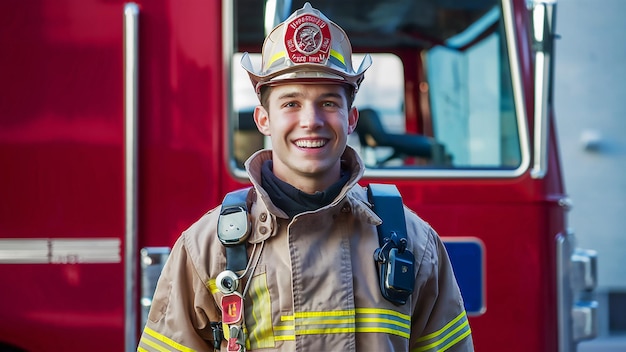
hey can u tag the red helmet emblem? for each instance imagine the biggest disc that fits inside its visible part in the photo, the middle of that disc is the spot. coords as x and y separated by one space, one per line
307 39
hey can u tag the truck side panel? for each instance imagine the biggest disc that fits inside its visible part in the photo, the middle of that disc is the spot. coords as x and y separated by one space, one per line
62 157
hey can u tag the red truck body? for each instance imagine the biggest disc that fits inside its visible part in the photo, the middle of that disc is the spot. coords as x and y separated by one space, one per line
65 255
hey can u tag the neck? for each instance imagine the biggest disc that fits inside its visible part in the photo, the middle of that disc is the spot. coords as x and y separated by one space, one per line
294 201
310 183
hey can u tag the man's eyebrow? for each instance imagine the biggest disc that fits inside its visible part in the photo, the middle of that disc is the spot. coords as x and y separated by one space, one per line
331 95
296 94
288 95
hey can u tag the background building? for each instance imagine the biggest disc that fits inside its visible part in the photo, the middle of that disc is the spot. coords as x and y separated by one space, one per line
590 103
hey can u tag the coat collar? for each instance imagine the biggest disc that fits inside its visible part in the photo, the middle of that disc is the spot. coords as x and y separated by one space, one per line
352 198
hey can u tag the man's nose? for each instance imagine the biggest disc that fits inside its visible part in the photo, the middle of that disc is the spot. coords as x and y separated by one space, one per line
311 118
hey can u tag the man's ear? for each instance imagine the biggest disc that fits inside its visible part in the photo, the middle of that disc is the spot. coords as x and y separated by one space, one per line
262 120
353 118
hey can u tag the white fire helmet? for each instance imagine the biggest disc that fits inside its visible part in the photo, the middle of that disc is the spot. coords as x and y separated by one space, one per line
306 48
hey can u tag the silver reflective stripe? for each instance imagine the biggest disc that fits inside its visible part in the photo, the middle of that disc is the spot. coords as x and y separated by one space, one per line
60 251
85 251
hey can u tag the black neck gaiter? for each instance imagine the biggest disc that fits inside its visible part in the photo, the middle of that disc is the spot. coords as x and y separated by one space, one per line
293 201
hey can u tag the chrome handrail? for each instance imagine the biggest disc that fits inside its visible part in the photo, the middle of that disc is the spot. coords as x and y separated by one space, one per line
131 59
543 18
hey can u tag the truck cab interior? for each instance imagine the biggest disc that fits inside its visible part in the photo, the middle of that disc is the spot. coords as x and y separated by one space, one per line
439 95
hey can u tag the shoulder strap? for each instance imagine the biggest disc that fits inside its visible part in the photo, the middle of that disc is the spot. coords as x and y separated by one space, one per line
234 228
396 263
387 203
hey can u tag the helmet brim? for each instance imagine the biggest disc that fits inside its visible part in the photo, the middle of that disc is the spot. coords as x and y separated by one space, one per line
306 73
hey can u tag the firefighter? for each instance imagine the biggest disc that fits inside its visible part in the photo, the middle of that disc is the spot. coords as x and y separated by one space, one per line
288 264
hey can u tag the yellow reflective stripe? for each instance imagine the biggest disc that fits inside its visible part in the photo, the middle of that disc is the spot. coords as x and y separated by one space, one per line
335 322
383 311
279 55
212 286
285 332
325 331
343 330
455 341
261 334
445 327
384 324
141 349
165 340
347 312
337 56
453 332
335 313
376 315
382 320
360 320
330 319
390 331
154 345
445 337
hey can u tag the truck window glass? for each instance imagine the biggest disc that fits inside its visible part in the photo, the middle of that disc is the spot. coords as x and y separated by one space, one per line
438 98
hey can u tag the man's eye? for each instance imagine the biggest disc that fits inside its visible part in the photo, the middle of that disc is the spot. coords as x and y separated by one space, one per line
329 104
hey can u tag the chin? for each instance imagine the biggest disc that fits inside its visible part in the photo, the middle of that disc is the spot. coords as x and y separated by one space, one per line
315 169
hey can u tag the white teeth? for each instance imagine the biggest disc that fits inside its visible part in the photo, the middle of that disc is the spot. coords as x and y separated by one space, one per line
310 143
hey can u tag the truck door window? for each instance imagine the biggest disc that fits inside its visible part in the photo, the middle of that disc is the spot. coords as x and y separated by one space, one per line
471 98
438 100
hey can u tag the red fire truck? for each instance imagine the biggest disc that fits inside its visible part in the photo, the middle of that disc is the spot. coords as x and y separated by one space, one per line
122 123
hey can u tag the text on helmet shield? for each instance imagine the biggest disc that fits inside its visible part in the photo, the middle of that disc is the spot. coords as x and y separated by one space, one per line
307 39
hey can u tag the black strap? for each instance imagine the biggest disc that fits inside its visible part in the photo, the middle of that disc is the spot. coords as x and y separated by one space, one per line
236 257
387 203
395 263
236 254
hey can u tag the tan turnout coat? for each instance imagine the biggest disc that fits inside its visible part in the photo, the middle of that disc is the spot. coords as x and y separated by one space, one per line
315 286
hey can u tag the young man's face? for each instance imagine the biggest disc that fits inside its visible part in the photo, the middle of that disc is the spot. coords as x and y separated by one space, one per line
308 126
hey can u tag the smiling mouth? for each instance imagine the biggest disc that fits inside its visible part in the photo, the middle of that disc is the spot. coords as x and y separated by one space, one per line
318 143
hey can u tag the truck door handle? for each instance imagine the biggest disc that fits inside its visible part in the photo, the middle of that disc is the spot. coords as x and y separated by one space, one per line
131 87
